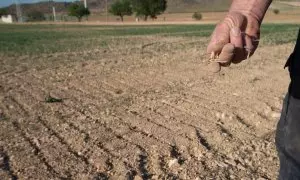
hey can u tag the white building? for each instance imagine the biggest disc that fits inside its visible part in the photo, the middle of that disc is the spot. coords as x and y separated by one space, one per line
7 19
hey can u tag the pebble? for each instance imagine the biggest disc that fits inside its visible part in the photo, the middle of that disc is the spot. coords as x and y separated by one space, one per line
241 160
275 115
99 164
173 162
138 178
240 167
222 164
267 110
232 176
223 116
235 94
245 178
36 142
230 162
278 103
215 67
155 177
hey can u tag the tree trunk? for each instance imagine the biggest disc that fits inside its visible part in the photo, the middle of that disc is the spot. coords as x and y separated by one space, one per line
145 18
122 18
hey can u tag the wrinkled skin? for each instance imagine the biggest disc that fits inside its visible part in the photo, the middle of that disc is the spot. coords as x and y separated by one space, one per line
237 37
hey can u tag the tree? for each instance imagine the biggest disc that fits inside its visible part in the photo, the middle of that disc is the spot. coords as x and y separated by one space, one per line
35 15
78 10
121 8
3 11
197 16
276 11
149 8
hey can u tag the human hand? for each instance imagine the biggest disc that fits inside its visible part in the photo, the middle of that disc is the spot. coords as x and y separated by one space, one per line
234 39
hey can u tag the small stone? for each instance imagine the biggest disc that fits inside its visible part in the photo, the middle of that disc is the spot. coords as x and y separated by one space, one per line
198 153
247 161
241 160
138 177
232 176
36 142
173 162
218 115
107 111
261 178
245 178
155 177
267 110
99 164
223 116
275 115
222 164
215 67
241 167
230 162
83 177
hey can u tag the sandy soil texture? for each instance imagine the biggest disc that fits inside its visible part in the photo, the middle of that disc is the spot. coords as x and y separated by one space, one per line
140 112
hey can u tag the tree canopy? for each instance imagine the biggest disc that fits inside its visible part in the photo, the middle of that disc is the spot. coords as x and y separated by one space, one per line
35 15
78 10
121 8
148 8
3 11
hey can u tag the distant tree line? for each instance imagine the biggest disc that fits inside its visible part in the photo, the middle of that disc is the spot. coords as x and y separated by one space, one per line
3 12
141 8
35 15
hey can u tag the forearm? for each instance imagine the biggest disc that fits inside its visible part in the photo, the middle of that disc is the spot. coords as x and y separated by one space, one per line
255 8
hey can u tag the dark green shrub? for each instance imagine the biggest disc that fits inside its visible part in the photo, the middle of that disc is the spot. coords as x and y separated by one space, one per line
197 16
78 10
121 8
276 11
35 15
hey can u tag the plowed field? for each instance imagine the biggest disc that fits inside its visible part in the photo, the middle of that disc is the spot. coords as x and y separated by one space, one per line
139 106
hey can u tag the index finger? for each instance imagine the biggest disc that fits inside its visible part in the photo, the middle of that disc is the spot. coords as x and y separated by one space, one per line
219 39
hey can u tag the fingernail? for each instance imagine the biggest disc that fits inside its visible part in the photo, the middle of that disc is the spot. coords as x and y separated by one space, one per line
236 31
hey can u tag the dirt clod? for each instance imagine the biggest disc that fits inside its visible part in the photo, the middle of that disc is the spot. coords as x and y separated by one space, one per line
215 67
138 178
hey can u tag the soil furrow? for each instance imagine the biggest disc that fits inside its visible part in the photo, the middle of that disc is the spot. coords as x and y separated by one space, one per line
38 152
202 140
99 144
46 144
5 166
169 137
26 161
115 149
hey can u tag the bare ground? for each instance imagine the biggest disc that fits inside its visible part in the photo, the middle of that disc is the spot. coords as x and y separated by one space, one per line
140 112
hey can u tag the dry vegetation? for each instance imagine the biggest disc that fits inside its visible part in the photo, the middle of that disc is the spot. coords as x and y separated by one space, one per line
136 102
